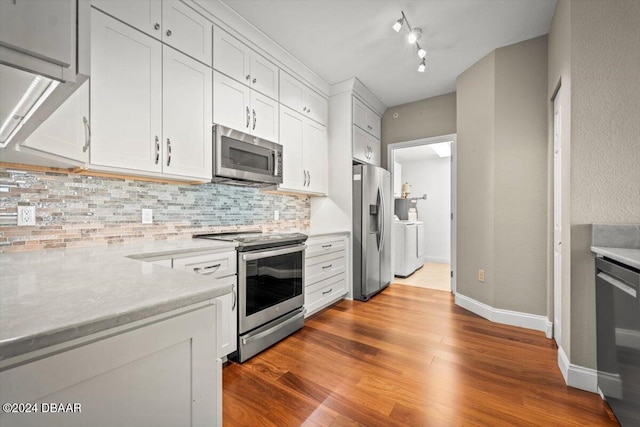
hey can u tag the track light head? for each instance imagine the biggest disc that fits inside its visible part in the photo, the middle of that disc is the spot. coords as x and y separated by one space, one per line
421 52
398 25
422 66
414 35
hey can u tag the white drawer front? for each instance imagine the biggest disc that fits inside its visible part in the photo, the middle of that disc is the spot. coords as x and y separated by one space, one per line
324 266
214 265
324 246
323 293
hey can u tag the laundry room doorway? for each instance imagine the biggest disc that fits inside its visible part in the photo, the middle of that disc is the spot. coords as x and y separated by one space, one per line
423 175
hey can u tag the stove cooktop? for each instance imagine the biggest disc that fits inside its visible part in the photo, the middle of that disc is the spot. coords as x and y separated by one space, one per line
254 240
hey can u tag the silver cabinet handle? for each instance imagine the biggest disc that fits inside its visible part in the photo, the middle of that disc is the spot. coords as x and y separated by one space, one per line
304 109
308 110
205 271
305 178
327 292
254 119
248 76
254 81
157 149
87 134
168 152
326 246
156 26
248 117
309 183
324 267
235 297
168 33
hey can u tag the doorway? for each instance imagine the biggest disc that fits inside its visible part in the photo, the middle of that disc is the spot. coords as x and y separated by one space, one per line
423 176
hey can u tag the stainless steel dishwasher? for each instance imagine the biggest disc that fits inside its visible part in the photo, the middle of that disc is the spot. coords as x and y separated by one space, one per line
618 329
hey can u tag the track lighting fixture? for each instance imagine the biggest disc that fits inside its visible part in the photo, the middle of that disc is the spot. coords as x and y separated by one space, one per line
422 66
414 35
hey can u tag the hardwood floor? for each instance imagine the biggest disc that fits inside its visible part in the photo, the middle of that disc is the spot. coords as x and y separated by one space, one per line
408 357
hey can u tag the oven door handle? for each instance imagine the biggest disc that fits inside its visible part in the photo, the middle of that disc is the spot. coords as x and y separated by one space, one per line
249 256
249 339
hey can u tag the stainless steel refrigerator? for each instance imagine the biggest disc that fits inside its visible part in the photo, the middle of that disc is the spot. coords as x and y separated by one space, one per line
372 213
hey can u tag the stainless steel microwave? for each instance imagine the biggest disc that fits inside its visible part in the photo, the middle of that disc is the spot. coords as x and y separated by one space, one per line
239 156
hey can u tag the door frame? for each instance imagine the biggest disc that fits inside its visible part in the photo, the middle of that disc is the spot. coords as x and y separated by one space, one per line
557 217
454 172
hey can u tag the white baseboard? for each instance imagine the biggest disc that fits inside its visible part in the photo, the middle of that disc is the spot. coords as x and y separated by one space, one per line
440 260
628 338
506 317
577 376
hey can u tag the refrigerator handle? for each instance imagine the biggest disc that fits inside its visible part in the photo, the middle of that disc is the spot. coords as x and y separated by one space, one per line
383 213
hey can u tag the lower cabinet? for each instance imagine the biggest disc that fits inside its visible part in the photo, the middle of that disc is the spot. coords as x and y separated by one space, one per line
221 267
326 261
160 371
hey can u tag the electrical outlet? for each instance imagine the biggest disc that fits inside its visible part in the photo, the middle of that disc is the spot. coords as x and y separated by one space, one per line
276 215
26 215
147 216
481 275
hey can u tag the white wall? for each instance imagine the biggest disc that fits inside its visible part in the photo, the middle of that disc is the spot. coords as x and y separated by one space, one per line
432 177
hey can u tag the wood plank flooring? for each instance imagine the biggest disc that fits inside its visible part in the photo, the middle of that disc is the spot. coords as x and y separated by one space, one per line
408 357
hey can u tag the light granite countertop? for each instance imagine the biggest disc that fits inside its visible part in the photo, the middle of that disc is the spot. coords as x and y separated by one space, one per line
627 256
57 295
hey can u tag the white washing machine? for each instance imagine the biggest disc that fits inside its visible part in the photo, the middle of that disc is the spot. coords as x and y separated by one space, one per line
408 247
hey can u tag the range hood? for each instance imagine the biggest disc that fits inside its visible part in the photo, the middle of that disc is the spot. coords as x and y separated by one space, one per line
44 58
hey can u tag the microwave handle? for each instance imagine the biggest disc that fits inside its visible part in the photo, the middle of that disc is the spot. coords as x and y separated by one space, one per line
276 155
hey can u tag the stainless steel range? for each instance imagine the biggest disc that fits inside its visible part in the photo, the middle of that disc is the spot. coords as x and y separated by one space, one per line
270 287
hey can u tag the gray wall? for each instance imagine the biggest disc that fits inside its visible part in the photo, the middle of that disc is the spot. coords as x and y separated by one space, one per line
502 178
604 142
421 119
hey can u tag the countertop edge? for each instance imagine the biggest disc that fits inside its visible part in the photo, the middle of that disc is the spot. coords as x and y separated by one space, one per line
627 256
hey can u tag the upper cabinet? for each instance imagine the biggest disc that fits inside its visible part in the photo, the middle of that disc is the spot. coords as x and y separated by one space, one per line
241 63
239 107
150 105
302 99
365 118
171 21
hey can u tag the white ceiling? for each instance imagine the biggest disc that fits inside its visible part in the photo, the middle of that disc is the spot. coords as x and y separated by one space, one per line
339 40
413 154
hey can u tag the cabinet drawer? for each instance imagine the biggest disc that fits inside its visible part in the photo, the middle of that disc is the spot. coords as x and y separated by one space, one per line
218 264
324 246
324 292
324 266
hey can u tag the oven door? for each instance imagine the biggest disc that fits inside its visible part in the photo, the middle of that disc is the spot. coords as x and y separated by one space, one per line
242 156
271 284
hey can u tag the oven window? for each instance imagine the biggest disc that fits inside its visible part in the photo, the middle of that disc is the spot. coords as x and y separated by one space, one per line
273 280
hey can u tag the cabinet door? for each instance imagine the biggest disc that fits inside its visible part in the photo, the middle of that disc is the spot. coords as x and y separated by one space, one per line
126 96
366 148
186 30
315 156
231 103
42 28
292 93
264 76
187 116
66 132
145 15
316 106
373 123
359 113
264 117
231 56
228 325
291 135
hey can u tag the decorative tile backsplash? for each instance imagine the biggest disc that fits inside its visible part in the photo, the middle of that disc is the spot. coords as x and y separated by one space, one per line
74 210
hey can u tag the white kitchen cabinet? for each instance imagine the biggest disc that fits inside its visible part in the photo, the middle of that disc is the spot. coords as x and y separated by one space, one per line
326 261
366 148
158 371
365 118
171 21
304 145
67 131
186 116
238 61
44 30
126 96
221 267
239 107
150 105
300 98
